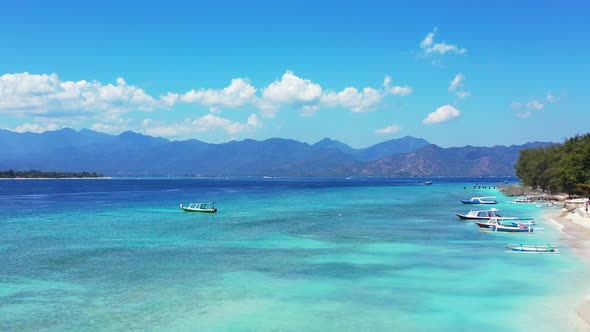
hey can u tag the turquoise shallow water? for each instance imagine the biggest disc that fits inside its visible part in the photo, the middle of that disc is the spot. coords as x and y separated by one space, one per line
280 255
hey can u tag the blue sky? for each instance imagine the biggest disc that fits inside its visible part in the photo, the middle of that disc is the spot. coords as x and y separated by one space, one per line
455 73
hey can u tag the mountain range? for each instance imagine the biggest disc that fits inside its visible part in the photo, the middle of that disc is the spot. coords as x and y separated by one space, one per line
134 154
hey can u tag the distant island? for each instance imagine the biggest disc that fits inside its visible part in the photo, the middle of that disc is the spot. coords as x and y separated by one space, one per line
131 154
34 174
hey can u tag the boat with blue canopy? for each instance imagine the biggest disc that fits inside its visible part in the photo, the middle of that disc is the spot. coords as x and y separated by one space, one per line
199 207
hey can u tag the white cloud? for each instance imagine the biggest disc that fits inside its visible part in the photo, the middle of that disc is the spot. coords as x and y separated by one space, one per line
237 94
456 82
25 93
112 123
456 85
535 105
170 99
442 114
353 99
430 47
45 95
395 90
35 127
309 110
524 115
462 94
400 90
443 48
527 109
292 89
429 39
203 124
551 98
388 130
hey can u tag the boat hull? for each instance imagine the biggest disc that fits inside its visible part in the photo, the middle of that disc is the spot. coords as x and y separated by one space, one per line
511 229
532 249
464 216
477 202
199 210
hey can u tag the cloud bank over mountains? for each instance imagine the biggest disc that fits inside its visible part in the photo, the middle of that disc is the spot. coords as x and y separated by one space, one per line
47 95
55 103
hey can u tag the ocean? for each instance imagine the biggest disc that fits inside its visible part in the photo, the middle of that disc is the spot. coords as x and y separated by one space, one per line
281 254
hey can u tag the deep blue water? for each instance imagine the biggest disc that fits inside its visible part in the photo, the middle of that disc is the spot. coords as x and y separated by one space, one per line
280 255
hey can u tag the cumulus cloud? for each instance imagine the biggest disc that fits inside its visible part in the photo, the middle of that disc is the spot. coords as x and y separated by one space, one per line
36 127
365 100
292 89
388 130
395 90
203 124
25 93
442 114
112 123
400 90
237 94
46 95
429 46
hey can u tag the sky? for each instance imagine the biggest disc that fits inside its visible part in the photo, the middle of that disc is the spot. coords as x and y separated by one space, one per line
455 73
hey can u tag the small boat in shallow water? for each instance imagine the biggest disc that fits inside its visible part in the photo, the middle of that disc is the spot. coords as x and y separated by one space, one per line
523 248
523 200
200 207
508 224
480 200
428 182
479 214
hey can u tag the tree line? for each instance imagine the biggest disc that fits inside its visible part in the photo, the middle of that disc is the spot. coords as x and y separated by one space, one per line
12 174
557 168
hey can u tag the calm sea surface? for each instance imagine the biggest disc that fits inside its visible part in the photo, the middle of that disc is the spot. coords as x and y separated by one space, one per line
280 255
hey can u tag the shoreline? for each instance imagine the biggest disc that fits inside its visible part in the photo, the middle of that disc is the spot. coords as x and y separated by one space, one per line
577 231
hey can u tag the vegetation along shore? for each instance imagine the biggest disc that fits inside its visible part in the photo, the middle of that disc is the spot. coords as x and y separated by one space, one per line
34 174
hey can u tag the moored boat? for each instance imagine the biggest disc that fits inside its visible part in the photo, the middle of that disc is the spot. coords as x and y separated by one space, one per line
523 248
200 207
428 182
507 224
523 200
520 228
480 200
479 214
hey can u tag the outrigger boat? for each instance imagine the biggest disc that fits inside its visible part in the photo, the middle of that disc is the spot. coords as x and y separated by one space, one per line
508 224
519 228
200 207
520 248
480 200
523 200
480 214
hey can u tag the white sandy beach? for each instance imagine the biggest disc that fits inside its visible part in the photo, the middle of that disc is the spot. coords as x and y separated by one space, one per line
577 228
